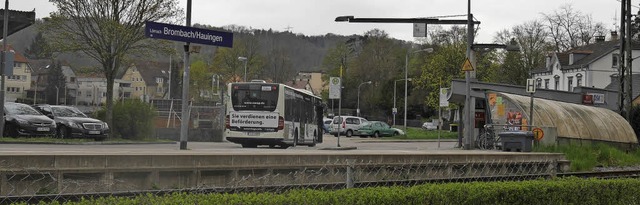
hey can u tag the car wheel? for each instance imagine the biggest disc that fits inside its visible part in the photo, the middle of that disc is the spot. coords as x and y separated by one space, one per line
395 133
62 132
349 133
376 134
10 130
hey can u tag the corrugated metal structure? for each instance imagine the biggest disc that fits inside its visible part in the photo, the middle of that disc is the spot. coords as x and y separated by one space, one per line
572 122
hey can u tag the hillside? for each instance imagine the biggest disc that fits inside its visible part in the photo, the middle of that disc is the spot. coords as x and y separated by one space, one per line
305 53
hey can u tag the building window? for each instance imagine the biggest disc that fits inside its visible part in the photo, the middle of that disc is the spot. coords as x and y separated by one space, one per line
538 83
546 83
614 60
570 84
159 89
579 79
557 83
159 80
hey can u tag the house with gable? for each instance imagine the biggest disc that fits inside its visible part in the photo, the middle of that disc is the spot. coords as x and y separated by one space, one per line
17 84
300 84
41 69
591 66
314 79
149 79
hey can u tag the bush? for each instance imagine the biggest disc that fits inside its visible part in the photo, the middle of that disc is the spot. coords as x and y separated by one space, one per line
570 190
132 119
635 120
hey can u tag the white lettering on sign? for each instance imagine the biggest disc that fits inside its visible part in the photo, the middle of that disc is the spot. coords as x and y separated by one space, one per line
192 34
253 119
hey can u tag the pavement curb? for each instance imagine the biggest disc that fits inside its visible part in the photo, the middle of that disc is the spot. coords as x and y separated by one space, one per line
88 143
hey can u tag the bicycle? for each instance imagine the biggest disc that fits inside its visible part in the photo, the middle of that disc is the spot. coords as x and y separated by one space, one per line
487 139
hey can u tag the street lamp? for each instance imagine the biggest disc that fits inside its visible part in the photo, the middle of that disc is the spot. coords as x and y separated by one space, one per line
245 66
406 83
358 110
395 109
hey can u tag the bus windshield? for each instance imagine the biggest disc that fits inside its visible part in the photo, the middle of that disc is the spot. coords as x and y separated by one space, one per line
257 97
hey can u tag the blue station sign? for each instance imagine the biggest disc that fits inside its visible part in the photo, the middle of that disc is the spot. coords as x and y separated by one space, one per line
188 34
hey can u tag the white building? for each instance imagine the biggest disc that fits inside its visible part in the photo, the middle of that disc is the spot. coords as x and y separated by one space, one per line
92 90
589 66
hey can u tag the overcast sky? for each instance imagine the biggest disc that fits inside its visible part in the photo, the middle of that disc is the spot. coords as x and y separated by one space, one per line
316 17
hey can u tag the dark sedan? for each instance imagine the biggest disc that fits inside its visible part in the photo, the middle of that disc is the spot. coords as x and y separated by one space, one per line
72 123
22 120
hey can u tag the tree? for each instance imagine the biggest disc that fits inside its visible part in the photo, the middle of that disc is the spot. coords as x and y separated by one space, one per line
532 40
226 62
570 29
107 31
39 48
56 84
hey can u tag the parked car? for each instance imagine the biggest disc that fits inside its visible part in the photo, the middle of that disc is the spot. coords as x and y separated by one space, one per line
72 123
430 126
22 120
377 129
400 132
348 127
326 125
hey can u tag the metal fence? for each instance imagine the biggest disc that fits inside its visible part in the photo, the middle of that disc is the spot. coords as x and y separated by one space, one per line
25 184
205 124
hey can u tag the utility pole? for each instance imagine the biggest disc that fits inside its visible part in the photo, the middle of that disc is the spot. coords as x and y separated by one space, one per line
621 57
469 104
184 125
629 67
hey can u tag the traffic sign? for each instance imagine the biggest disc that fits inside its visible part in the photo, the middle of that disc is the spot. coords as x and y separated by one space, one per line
466 66
538 134
531 86
188 34
395 111
334 88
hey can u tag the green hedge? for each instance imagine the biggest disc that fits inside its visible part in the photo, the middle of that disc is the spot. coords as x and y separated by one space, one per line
558 191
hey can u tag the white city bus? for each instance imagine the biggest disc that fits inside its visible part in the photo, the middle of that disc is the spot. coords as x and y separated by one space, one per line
272 114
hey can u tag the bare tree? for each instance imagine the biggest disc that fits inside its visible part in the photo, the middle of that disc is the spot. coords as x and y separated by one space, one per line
107 31
570 28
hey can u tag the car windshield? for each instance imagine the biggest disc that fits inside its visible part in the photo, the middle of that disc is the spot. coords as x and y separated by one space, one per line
67 112
20 109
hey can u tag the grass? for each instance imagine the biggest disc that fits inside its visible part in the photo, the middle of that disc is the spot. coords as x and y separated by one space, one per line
69 141
587 157
413 133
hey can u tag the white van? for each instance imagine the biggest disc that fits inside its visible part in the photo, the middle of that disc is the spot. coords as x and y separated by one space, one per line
349 127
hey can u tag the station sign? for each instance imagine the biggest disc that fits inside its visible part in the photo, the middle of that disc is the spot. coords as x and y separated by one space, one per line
334 88
188 34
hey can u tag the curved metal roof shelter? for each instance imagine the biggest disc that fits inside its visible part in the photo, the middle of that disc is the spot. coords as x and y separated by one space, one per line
576 121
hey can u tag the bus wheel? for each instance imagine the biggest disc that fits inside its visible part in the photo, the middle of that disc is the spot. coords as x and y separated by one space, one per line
295 138
349 133
249 145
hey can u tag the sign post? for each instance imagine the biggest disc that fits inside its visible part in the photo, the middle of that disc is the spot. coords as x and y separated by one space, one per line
531 89
188 35
335 89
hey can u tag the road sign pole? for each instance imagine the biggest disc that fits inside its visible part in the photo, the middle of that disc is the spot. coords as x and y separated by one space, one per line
184 124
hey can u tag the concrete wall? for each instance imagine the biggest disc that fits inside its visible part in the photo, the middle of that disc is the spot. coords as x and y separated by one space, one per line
67 173
195 135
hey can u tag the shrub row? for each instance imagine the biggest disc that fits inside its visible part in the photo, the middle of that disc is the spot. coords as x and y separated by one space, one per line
558 191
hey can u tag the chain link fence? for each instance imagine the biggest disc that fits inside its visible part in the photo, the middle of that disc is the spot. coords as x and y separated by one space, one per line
28 184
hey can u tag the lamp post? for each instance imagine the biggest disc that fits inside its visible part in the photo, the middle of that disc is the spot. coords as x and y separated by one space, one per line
245 66
406 82
395 109
358 110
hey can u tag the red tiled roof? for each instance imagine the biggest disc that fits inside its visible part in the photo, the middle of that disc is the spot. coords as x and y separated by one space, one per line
18 57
